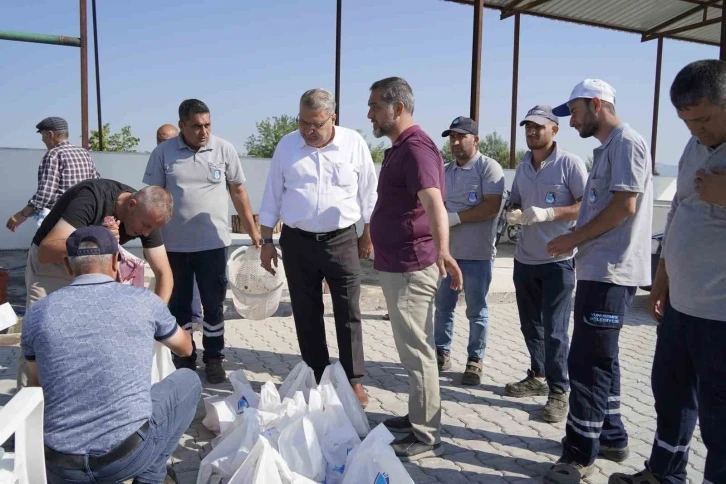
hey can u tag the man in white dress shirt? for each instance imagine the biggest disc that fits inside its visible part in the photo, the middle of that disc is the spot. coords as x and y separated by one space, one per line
321 182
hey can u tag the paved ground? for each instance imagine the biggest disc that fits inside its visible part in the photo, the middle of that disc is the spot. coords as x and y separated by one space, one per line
488 437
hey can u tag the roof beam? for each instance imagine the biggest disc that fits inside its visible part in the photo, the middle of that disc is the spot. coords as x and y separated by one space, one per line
680 30
511 11
701 2
651 33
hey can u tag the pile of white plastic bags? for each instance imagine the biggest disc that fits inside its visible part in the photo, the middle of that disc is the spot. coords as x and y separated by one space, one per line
302 433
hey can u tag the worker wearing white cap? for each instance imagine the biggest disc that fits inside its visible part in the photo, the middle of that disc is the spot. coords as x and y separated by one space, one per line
612 237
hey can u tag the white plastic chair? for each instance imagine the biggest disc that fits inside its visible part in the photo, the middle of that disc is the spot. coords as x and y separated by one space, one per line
23 416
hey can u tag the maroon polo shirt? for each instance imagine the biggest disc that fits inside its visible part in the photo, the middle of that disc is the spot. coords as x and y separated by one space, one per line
400 232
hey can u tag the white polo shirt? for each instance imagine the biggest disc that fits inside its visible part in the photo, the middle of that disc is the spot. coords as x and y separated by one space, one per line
320 189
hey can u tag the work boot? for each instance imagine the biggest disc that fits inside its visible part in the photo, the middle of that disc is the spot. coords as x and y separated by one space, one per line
443 360
642 477
185 362
473 371
568 471
215 371
557 406
529 387
398 424
360 392
615 454
409 448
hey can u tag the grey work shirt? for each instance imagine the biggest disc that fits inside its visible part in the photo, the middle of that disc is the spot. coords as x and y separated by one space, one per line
198 182
695 251
559 182
621 255
466 187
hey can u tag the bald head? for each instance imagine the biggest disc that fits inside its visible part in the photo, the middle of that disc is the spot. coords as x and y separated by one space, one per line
166 132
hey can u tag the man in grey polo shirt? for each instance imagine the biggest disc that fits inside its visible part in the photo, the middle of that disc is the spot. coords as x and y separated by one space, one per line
613 241
548 186
198 168
688 299
474 187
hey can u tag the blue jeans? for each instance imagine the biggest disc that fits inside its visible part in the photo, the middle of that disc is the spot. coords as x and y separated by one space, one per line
544 300
174 402
689 381
477 277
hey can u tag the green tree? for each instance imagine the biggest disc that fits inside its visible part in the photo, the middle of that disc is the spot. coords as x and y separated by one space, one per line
493 146
377 151
121 141
269 133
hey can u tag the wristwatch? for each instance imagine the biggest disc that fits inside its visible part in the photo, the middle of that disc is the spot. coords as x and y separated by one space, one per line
267 241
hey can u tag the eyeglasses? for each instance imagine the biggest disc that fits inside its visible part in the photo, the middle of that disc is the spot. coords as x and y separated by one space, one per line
315 126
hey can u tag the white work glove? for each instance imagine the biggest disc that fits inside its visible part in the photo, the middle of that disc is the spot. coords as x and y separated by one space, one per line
514 217
454 219
536 214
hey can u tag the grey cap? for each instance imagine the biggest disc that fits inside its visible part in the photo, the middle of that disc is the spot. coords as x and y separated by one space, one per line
540 114
54 123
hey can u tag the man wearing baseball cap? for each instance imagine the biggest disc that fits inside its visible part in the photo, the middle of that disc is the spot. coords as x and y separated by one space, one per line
474 187
546 192
63 166
104 420
613 241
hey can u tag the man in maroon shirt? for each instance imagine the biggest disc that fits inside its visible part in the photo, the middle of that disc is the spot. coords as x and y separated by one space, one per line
410 234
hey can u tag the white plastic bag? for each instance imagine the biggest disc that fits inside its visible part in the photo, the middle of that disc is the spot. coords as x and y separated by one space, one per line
374 461
289 411
336 375
269 398
219 417
340 437
222 412
265 466
300 379
300 449
243 395
162 364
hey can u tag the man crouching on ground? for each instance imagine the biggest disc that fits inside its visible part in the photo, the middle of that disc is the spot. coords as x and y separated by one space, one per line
89 346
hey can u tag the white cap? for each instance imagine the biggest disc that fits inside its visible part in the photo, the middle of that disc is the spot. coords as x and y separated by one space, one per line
589 88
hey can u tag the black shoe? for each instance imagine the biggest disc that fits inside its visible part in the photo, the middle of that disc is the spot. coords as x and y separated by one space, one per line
409 448
473 372
215 371
443 360
188 362
615 454
398 424
529 387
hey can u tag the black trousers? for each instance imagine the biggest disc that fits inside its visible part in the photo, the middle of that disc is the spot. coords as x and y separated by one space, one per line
307 262
208 267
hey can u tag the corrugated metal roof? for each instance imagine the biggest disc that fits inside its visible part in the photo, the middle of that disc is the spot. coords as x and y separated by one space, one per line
690 20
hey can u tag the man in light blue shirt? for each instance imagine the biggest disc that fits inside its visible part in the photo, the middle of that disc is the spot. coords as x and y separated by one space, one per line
612 238
546 193
688 298
104 421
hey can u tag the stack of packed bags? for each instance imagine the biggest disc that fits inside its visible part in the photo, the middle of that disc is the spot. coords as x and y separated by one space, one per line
302 434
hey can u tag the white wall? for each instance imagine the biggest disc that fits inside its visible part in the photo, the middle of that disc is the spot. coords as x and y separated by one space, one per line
20 178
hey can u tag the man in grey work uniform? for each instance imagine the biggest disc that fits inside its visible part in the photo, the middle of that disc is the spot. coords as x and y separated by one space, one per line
474 188
613 241
688 298
546 193
197 168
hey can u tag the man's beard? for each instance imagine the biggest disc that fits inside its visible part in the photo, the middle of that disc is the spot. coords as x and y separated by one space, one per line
590 126
383 129
536 145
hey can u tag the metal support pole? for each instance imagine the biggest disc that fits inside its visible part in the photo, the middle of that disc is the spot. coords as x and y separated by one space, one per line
98 77
338 29
476 60
84 75
40 38
656 101
722 55
515 87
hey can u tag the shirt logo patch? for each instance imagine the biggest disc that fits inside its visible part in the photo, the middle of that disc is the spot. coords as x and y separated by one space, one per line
550 198
382 478
217 174
456 121
471 197
592 196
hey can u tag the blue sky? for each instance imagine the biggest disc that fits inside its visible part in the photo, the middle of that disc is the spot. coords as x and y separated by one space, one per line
252 59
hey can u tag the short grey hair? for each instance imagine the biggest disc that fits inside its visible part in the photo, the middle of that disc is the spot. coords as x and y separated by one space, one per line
317 99
704 79
155 198
61 133
395 90
84 264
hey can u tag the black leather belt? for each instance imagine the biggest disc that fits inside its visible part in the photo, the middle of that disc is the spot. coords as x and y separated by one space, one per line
70 461
319 236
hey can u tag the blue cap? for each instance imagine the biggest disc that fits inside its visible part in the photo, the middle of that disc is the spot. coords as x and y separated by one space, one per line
101 236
